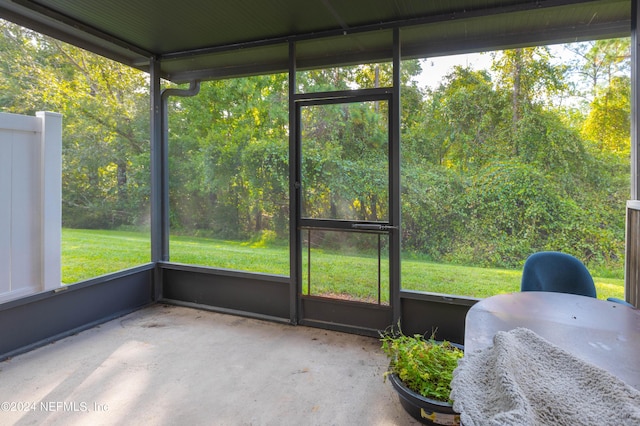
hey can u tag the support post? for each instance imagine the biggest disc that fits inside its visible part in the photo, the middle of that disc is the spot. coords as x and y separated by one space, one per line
394 176
159 239
632 240
635 101
295 255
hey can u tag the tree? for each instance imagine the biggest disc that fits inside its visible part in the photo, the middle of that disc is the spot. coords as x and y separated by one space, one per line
529 77
228 158
491 169
459 125
105 141
599 62
608 123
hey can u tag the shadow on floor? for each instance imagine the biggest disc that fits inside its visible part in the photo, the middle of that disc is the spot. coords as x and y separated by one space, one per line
169 365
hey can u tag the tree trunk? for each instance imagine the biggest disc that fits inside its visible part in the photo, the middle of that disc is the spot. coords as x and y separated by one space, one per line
122 181
516 95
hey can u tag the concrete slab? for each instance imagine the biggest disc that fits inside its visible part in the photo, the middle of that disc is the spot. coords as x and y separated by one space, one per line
169 365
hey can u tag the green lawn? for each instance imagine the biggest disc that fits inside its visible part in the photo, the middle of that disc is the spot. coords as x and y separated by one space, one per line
90 253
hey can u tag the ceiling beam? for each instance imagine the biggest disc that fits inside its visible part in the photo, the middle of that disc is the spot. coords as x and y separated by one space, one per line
463 14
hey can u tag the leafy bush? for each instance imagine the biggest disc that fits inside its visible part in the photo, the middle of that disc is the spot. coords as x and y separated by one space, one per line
433 208
514 208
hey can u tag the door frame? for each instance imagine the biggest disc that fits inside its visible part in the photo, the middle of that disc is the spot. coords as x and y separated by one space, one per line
373 318
352 316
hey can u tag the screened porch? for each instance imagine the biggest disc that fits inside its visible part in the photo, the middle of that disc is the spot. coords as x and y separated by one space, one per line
183 50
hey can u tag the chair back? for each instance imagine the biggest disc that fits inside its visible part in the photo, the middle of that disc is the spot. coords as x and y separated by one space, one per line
557 272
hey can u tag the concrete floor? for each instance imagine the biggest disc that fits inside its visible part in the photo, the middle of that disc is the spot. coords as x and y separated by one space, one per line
169 365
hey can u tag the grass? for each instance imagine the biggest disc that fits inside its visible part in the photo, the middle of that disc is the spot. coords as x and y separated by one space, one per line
90 253
246 256
342 275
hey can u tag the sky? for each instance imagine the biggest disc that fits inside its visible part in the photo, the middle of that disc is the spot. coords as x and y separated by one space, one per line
435 69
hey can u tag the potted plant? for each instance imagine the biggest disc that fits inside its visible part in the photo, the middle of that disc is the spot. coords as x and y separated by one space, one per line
421 369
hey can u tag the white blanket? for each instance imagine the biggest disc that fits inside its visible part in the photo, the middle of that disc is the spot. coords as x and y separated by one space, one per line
525 380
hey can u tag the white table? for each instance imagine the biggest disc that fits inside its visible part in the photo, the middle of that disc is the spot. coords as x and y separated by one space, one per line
602 333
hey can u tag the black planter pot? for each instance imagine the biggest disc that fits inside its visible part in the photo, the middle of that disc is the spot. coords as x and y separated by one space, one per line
427 411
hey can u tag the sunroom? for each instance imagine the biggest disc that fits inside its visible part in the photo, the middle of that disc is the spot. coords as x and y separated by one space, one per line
361 225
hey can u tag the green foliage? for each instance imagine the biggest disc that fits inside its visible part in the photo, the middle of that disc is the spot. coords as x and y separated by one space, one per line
528 78
434 209
424 365
494 172
106 123
608 122
492 169
228 168
458 123
545 141
344 166
517 206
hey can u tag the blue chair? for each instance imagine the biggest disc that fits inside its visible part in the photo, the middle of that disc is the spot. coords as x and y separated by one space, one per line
557 272
620 301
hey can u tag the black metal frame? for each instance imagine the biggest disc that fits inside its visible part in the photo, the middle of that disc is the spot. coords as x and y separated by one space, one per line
358 317
260 296
635 101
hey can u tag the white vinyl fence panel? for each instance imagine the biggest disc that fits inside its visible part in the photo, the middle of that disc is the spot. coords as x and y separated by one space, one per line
30 203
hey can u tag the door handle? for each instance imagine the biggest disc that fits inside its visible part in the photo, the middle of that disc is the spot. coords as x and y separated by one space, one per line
373 227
